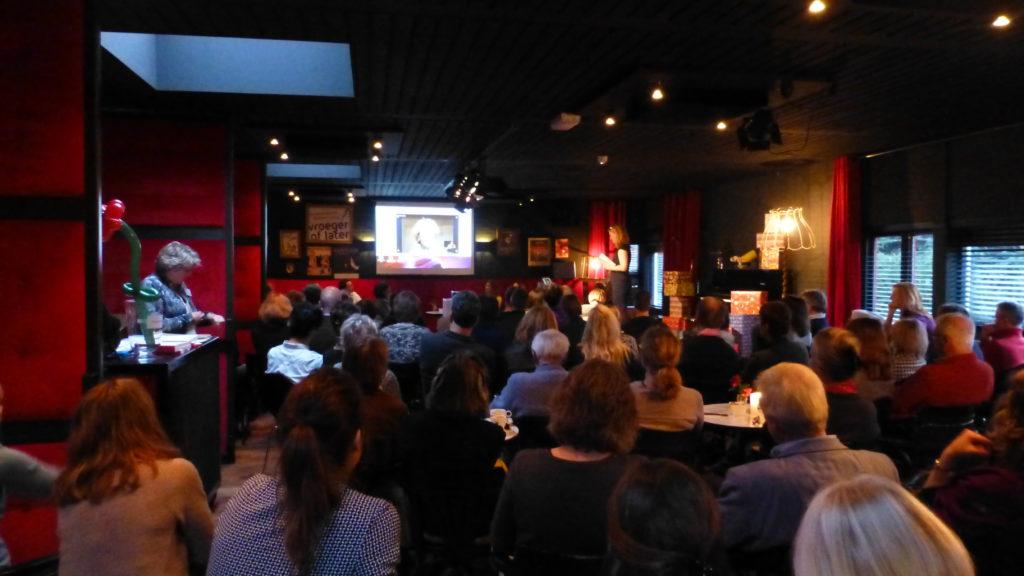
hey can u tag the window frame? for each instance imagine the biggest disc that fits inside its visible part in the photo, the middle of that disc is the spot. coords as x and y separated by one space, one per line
906 265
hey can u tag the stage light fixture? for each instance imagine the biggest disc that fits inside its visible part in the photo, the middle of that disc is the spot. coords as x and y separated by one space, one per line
759 131
817 7
274 142
1001 21
602 160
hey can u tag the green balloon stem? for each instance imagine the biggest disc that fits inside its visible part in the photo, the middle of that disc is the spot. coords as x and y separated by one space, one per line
142 296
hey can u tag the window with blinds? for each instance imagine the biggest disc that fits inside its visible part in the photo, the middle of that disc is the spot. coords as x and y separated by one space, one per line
898 258
657 271
989 275
634 259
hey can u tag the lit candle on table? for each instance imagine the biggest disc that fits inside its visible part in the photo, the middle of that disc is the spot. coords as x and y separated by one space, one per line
755 408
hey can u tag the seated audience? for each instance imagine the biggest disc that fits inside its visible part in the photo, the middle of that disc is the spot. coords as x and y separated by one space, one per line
528 393
556 500
293 358
709 361
518 356
515 308
977 487
906 299
642 319
870 526
296 297
956 308
762 502
24 476
604 340
908 341
553 297
404 336
874 381
775 326
348 289
382 415
357 330
487 331
663 519
382 301
662 402
271 328
1002 342
305 519
958 378
325 337
341 312
817 307
597 296
312 293
128 503
800 324
572 326
438 346
835 359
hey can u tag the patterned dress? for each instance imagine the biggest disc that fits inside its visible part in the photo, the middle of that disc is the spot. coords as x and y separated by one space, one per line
175 304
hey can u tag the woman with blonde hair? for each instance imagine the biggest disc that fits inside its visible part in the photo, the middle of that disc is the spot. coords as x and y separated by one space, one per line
603 340
908 341
129 504
662 402
519 355
871 526
906 298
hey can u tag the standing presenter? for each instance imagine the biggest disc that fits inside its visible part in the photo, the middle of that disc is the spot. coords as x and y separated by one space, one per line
618 268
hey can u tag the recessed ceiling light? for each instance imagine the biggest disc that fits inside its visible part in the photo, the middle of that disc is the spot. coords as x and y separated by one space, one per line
375 157
284 156
1001 21
602 160
351 199
291 192
296 198
721 125
531 198
274 142
609 121
657 94
816 7
377 145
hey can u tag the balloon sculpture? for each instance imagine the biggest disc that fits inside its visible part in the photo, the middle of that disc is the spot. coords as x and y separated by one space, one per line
113 221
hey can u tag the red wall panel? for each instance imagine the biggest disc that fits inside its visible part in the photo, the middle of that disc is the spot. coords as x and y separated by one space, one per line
42 347
247 282
30 527
248 197
41 87
167 173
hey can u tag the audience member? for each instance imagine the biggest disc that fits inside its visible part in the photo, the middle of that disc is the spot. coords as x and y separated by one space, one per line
306 519
24 476
528 393
664 520
909 344
573 326
515 308
436 347
906 299
518 356
1002 342
382 415
662 402
405 335
870 526
709 361
874 381
835 358
556 501
642 319
382 300
271 327
957 308
775 327
295 297
312 293
817 307
762 502
958 378
325 337
604 340
800 324
349 289
553 297
341 312
128 503
487 331
357 330
293 358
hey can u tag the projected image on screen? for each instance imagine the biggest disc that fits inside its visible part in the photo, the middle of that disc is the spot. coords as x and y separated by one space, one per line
423 239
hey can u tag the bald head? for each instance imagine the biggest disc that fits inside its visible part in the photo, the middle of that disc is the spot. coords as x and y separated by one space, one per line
793 401
955 333
329 297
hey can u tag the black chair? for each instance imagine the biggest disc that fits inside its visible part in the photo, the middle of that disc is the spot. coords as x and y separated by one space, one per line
273 389
450 528
408 376
768 562
936 427
680 446
45 566
528 562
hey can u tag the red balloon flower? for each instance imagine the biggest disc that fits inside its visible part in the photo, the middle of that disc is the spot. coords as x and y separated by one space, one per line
113 212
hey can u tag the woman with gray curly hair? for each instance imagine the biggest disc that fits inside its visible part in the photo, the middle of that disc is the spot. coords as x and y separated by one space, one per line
174 263
357 330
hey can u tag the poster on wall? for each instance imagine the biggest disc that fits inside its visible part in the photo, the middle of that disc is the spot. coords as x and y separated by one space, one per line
328 224
538 252
508 242
345 261
562 248
290 244
318 260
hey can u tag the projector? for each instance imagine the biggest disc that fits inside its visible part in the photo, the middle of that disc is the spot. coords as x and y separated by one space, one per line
759 131
565 122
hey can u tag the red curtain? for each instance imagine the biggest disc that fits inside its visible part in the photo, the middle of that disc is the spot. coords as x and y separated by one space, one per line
681 231
844 252
603 213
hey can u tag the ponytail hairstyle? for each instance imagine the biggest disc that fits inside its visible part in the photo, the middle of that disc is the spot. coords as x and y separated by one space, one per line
659 353
317 430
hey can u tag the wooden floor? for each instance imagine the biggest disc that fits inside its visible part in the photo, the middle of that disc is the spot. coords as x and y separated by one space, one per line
249 460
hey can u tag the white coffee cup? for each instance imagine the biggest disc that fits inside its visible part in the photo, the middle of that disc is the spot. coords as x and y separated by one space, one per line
501 417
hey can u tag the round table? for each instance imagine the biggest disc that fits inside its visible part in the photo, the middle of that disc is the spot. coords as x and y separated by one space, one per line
718 415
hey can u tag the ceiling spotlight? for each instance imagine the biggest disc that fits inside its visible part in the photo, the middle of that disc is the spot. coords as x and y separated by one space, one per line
817 7
350 194
291 192
375 157
657 94
274 142
1001 21
284 155
721 126
520 203
296 198
759 131
610 120
351 199
378 145
531 198
602 160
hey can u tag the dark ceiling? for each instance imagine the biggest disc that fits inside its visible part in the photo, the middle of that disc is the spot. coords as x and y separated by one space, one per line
459 81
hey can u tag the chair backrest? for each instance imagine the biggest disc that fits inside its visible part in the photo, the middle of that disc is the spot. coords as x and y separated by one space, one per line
533 432
273 389
680 446
45 566
936 427
408 376
545 563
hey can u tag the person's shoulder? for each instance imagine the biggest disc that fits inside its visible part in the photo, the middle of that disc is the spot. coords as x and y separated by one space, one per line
176 471
876 462
365 510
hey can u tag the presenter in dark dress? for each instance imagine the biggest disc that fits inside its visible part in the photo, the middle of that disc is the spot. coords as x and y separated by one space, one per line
618 268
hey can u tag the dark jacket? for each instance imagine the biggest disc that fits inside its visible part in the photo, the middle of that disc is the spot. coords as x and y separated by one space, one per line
438 346
708 364
784 350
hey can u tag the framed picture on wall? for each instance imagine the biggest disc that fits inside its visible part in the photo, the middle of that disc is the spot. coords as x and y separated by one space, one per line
328 223
345 261
561 248
290 244
318 260
538 252
508 242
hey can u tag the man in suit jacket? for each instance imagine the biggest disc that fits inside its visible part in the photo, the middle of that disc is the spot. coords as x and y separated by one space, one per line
436 347
763 502
817 304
